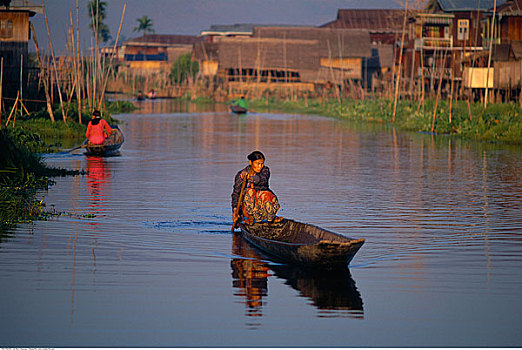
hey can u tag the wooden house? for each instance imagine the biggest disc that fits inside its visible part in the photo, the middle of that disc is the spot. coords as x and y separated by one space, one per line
302 56
153 53
384 25
509 22
14 38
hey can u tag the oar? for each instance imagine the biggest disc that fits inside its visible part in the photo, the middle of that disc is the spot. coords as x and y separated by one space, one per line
83 145
239 203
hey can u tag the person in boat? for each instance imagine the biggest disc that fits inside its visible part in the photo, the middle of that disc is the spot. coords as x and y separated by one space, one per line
98 129
140 96
152 94
259 203
241 103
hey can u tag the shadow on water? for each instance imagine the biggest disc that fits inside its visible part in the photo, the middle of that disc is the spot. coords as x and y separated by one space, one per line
333 293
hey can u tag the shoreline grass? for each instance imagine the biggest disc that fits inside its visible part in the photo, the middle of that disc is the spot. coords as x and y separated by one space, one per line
496 123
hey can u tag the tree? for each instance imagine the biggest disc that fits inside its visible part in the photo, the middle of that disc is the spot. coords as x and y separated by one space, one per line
97 14
183 69
144 25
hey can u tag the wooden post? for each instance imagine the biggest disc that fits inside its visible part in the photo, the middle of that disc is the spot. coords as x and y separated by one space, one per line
78 70
106 77
54 63
438 92
1 84
451 88
45 81
400 60
486 94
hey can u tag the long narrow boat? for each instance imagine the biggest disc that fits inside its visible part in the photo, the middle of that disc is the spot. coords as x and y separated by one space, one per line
111 145
238 110
302 244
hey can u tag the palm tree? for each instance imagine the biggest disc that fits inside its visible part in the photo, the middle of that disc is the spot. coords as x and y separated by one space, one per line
97 14
144 25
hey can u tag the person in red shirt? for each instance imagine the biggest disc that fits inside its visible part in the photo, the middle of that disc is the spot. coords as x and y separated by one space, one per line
98 129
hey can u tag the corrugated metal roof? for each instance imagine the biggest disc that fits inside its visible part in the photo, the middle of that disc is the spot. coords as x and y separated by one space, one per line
468 5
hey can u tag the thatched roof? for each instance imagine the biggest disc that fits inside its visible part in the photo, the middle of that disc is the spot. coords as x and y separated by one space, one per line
268 53
333 42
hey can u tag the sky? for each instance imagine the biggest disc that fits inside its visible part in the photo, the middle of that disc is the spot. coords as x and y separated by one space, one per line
189 17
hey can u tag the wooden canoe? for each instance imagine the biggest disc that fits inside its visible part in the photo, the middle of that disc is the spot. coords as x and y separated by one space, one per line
302 244
238 110
111 145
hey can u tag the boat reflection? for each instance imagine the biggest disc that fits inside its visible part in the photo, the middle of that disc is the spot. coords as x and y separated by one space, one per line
333 293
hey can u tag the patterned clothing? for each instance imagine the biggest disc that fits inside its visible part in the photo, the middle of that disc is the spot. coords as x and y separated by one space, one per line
259 202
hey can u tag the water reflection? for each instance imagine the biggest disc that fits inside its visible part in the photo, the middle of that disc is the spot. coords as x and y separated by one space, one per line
98 184
161 106
249 277
333 293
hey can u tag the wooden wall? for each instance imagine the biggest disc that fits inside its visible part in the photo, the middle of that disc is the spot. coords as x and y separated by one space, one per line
14 26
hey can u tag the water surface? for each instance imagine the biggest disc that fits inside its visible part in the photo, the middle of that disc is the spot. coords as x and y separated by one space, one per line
143 255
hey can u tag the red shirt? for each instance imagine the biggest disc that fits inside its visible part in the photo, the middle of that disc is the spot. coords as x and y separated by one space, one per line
95 133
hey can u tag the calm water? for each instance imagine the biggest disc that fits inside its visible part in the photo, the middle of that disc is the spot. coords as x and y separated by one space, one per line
143 254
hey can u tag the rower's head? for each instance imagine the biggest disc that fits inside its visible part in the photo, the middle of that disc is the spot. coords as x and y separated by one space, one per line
96 114
256 160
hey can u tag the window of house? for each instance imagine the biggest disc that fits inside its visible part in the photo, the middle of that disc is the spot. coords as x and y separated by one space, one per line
463 29
6 28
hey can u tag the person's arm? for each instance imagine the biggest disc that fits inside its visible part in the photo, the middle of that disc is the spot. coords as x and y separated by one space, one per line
238 181
88 133
107 128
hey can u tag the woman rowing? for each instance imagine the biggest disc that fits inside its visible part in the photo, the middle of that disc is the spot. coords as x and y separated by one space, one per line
98 129
259 203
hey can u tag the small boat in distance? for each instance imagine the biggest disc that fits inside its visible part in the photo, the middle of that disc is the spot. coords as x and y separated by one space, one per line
238 109
111 145
302 244
140 96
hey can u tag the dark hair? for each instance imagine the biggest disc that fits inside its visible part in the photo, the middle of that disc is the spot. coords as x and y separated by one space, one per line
96 113
255 156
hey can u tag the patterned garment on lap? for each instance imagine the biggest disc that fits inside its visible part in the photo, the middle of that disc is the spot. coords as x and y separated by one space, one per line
260 205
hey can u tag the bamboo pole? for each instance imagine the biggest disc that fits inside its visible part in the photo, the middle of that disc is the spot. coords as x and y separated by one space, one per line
452 83
106 77
54 62
400 61
486 94
1 84
78 71
45 80
438 91
13 109
423 90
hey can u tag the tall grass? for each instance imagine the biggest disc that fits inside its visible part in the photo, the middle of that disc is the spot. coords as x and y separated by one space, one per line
496 123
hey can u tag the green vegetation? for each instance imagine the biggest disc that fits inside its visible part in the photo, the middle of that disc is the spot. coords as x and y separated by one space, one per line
22 174
184 69
53 137
496 123
97 13
145 25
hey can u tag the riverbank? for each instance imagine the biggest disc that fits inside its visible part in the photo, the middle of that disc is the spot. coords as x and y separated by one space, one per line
496 123
22 172
22 175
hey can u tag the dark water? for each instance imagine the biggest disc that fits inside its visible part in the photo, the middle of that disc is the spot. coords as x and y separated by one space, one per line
143 254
